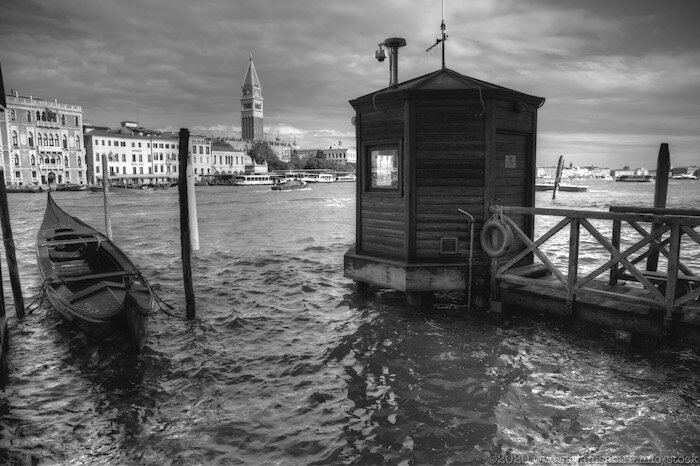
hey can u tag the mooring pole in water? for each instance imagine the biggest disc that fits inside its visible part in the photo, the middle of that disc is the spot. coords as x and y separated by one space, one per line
557 177
192 209
185 244
105 194
663 166
10 247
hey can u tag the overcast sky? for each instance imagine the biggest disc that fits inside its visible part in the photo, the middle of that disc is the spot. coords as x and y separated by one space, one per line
619 76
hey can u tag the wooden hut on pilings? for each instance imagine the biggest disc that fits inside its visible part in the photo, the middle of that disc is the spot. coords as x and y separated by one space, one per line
426 148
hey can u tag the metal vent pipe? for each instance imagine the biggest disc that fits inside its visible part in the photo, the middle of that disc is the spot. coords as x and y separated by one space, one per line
393 44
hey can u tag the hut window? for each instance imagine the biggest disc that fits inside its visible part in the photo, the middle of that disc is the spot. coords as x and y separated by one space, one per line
383 166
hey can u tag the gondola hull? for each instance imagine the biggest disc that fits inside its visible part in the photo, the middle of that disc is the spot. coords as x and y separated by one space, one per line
89 280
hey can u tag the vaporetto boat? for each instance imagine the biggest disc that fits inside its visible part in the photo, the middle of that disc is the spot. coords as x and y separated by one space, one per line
318 177
254 179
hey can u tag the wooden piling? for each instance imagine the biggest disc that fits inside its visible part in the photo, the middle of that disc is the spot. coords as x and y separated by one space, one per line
192 209
663 166
557 177
105 194
185 224
10 248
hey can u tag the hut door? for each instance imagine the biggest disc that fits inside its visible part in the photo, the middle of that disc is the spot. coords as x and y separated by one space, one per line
513 169
513 177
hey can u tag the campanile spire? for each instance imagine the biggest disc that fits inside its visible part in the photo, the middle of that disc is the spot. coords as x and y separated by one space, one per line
251 105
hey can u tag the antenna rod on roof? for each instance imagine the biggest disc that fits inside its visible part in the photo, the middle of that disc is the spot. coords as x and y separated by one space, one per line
444 37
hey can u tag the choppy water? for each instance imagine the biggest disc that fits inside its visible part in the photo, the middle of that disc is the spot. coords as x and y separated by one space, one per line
285 364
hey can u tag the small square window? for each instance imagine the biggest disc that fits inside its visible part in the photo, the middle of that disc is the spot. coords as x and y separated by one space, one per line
383 163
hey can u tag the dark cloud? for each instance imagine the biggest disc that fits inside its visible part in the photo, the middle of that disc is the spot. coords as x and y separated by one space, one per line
606 68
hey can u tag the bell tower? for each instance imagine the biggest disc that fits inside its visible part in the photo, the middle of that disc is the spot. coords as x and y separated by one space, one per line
251 105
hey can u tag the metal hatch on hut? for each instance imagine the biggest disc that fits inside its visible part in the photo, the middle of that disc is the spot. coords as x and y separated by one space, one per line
428 148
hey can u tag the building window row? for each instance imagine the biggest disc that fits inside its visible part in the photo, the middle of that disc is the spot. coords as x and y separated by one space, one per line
135 144
53 160
46 115
42 140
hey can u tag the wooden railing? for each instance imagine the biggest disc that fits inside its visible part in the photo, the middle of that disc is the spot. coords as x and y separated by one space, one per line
667 289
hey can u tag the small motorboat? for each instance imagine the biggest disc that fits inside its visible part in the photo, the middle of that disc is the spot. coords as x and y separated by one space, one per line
571 188
89 280
71 187
289 184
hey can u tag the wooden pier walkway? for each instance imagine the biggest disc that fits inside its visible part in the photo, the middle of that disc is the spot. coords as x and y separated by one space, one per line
645 280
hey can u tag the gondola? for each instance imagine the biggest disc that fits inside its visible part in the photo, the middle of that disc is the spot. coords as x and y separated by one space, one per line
89 280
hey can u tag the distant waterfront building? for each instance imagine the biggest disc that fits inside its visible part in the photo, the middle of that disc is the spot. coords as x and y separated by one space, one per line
200 156
282 149
41 142
138 155
135 155
341 154
254 168
574 172
229 159
251 105
627 172
692 170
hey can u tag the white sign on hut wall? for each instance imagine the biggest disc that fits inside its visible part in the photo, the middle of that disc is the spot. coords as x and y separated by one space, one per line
511 161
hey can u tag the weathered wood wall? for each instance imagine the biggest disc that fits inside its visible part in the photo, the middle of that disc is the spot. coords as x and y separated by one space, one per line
381 224
448 175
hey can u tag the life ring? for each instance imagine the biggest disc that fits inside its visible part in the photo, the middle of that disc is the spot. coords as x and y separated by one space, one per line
504 237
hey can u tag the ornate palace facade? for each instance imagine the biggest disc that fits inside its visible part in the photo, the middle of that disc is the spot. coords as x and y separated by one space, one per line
41 142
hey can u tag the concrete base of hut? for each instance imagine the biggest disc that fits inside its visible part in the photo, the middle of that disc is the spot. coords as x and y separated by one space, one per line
415 279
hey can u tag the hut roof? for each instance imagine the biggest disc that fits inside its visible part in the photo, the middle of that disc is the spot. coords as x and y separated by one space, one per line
447 79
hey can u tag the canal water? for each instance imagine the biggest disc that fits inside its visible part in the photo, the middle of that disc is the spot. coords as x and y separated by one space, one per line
285 364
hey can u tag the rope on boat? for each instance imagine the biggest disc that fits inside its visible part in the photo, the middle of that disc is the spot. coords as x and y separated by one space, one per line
158 300
38 299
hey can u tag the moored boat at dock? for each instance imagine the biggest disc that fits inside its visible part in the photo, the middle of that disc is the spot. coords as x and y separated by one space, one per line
254 179
685 176
573 188
636 178
71 187
346 177
24 189
318 177
89 280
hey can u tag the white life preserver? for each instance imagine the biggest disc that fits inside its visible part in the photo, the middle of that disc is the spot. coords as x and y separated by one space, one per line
503 241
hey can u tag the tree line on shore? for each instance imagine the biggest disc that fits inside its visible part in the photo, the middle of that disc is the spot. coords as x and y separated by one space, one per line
261 152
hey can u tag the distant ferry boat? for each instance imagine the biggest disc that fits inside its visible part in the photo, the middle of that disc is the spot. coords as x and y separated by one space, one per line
685 176
348 177
256 179
318 177
636 178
